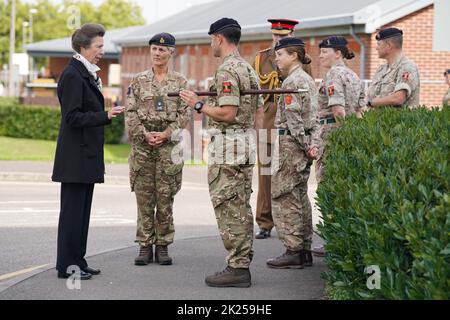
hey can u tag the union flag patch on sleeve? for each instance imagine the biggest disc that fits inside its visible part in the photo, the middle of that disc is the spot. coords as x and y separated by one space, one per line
226 87
288 99
405 76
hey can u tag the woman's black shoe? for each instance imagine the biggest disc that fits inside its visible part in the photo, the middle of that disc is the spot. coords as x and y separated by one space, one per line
82 276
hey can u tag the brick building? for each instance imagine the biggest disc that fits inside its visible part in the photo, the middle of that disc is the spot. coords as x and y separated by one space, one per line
357 20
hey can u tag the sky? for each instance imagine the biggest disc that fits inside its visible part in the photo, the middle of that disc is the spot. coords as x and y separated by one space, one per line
154 9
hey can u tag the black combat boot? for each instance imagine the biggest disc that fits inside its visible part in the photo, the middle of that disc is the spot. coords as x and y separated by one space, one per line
162 255
230 277
288 260
145 256
307 258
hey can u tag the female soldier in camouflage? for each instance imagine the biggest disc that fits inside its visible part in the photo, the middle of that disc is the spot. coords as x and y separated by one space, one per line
341 94
297 145
154 124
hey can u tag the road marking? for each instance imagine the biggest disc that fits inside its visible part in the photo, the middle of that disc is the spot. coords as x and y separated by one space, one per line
29 210
29 201
21 272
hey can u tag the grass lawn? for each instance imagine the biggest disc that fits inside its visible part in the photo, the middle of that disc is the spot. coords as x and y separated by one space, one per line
26 149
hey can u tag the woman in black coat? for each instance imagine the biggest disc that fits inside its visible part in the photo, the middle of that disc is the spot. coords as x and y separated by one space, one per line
79 162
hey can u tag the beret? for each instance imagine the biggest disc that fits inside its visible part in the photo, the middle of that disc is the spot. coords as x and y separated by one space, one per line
333 42
222 24
388 33
163 39
289 42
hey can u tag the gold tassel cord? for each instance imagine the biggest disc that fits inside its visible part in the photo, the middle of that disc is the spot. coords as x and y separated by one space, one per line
271 79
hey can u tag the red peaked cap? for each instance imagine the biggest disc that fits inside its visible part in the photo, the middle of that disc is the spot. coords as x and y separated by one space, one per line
282 26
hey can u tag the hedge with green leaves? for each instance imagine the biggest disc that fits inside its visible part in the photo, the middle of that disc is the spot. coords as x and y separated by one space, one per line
42 122
385 202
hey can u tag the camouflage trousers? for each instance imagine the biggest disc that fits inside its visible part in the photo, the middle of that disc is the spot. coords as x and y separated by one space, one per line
155 180
230 188
291 208
324 133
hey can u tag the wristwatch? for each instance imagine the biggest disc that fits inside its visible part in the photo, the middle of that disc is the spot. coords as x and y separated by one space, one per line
198 106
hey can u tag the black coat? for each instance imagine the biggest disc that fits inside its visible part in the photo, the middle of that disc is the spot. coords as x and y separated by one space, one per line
79 152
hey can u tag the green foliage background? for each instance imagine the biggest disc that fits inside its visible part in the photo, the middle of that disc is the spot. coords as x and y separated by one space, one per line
42 122
385 201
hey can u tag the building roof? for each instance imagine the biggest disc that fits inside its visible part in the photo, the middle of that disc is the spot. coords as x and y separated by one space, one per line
316 18
63 47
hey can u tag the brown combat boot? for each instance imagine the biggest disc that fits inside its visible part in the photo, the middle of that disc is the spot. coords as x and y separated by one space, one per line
307 258
288 260
145 256
230 277
162 255
319 251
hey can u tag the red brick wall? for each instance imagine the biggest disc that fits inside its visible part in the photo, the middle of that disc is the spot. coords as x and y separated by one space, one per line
418 46
56 66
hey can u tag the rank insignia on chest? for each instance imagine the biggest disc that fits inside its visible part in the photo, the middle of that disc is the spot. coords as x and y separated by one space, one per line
331 90
288 99
159 103
226 87
405 76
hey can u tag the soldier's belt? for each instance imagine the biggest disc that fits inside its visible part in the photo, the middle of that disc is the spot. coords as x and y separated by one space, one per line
284 132
156 128
325 121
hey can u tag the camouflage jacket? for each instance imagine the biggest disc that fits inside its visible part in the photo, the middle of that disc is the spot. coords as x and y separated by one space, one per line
149 109
446 100
234 75
341 87
402 75
298 113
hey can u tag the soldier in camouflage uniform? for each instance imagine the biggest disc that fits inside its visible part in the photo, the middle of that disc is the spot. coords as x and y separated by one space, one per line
446 100
341 94
231 122
298 144
269 78
154 124
396 83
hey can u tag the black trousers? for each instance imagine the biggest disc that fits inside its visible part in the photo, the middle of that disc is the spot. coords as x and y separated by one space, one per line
76 200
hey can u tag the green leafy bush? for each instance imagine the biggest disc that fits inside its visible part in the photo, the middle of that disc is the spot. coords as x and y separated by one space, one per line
42 122
385 202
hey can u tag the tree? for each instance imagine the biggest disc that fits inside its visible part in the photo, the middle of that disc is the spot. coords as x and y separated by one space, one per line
52 20
115 14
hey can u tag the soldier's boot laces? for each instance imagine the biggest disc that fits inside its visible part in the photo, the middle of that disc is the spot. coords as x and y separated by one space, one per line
288 260
230 277
162 255
145 256
307 258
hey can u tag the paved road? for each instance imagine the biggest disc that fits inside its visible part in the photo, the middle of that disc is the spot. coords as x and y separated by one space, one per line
29 216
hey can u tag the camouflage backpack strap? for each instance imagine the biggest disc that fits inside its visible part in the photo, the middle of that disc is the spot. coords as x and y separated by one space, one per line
271 79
